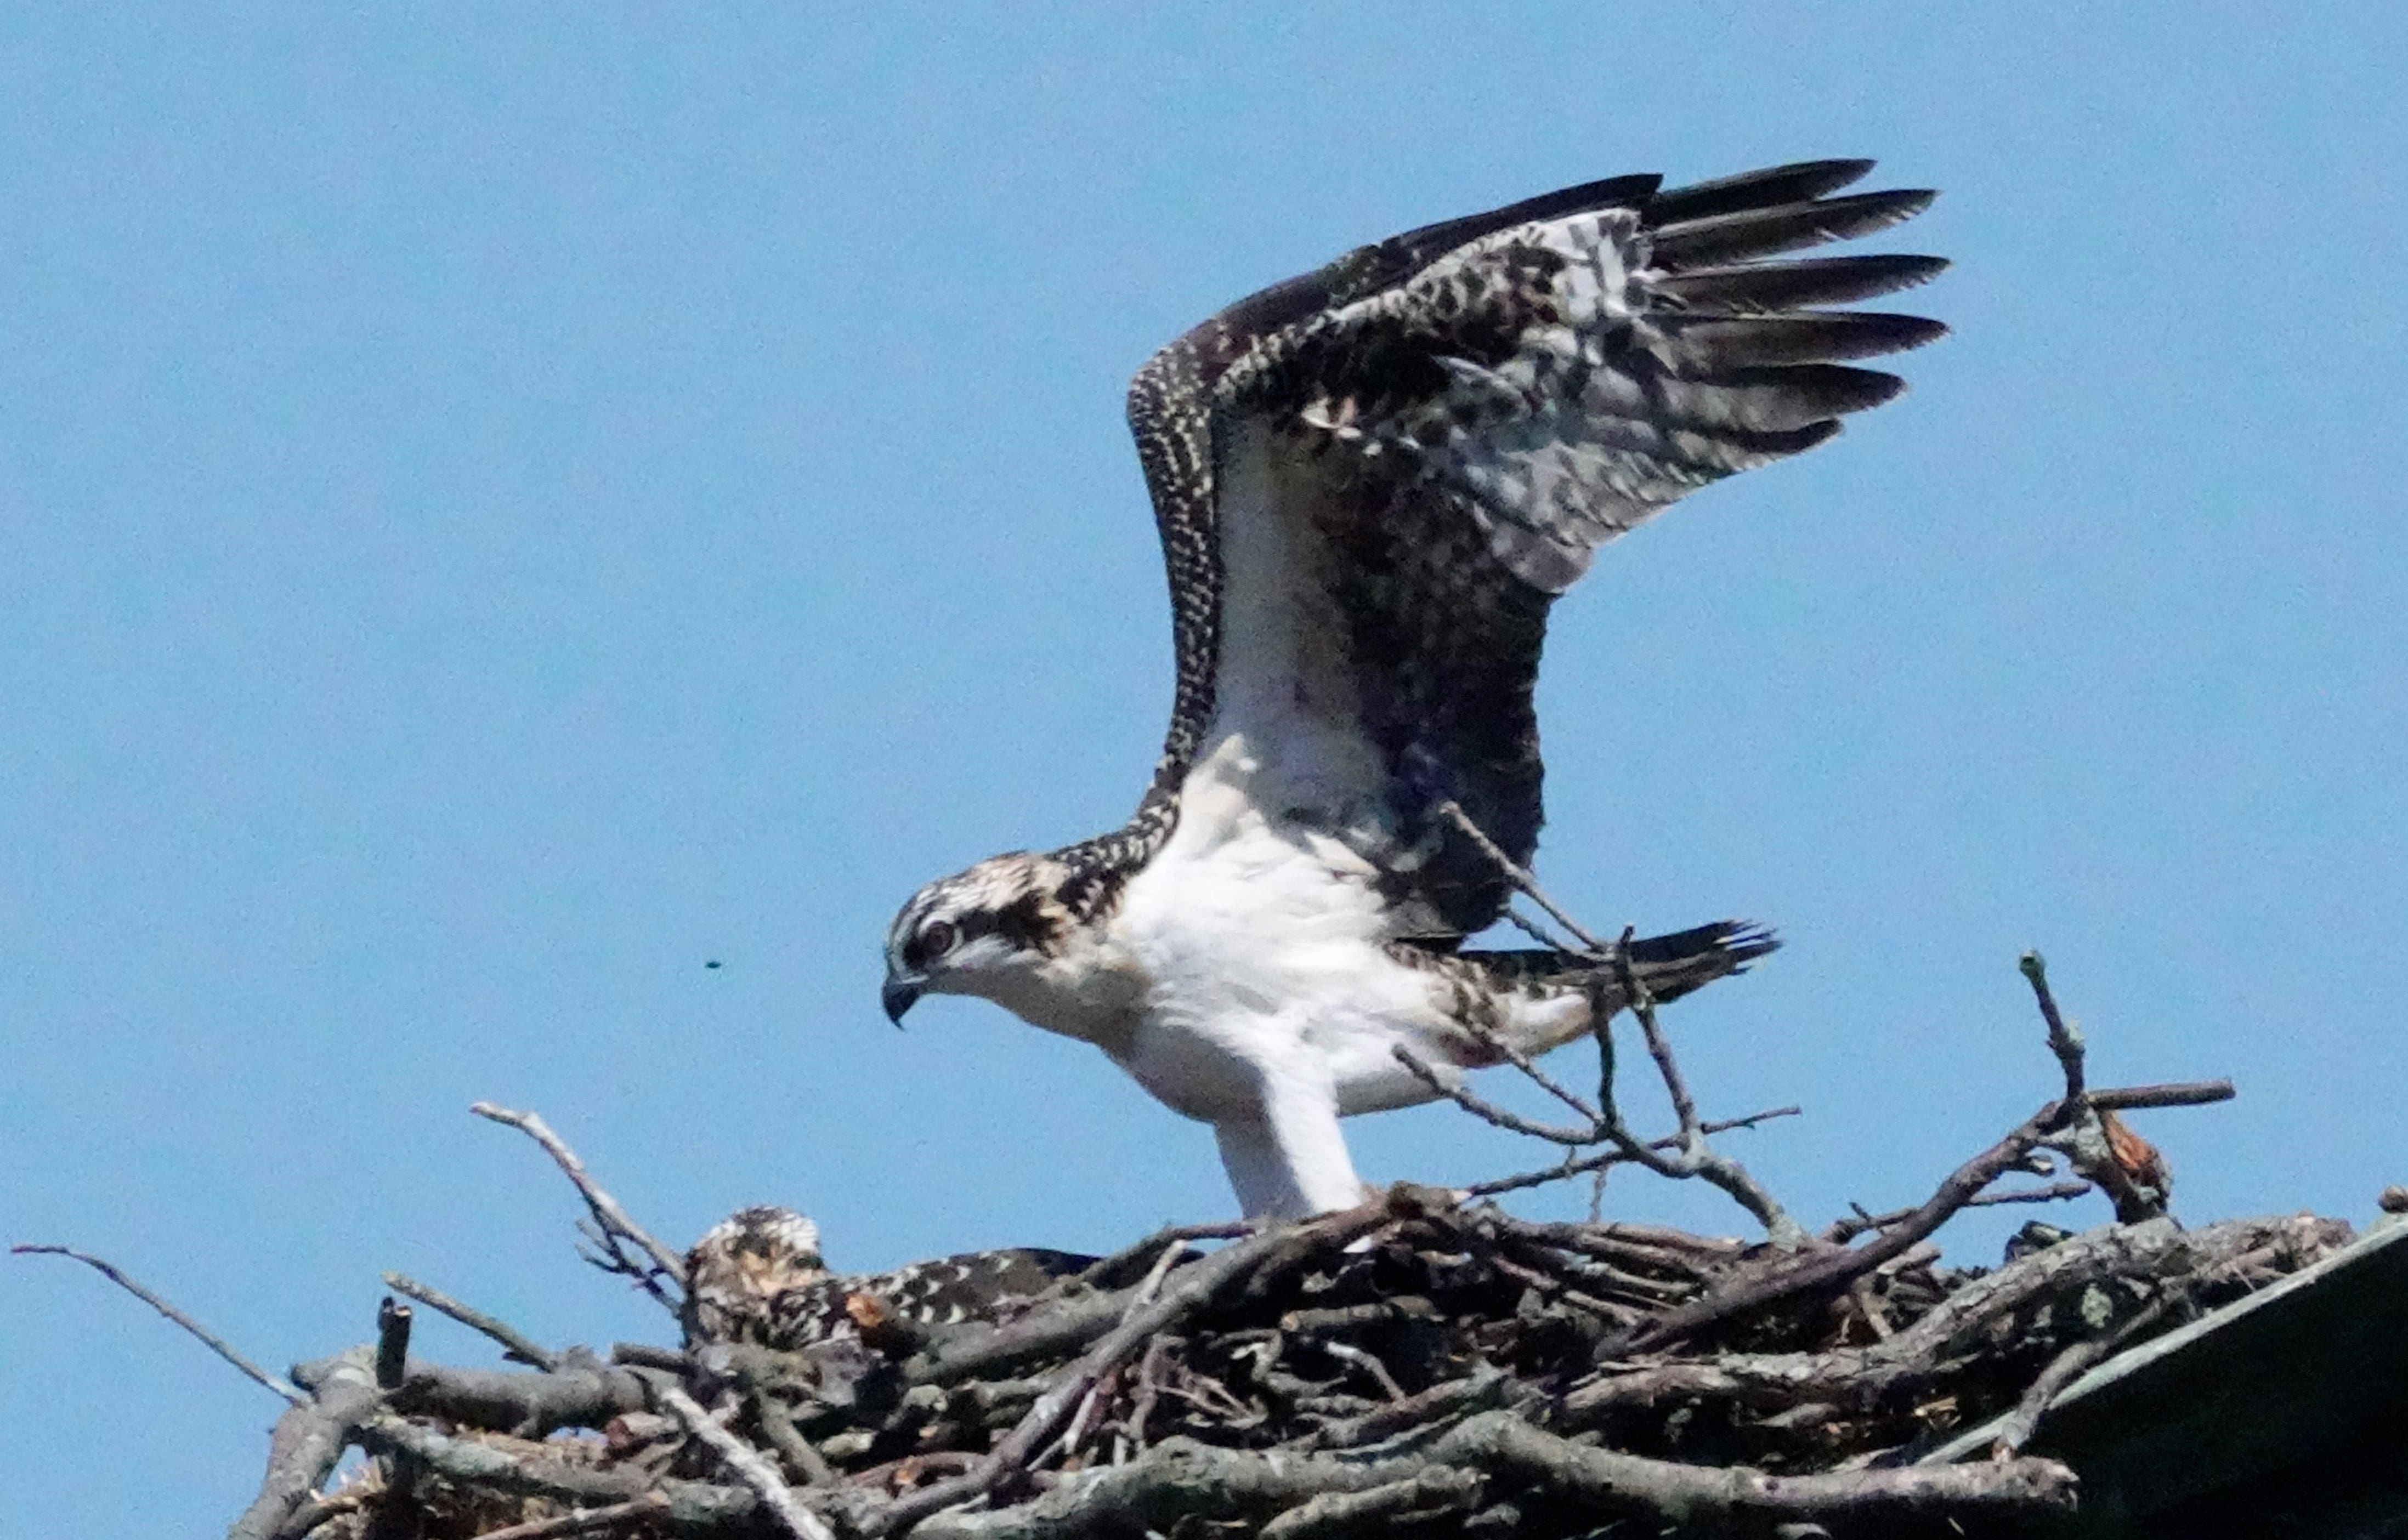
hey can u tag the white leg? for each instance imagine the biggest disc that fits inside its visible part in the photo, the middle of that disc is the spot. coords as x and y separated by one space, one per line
1257 1172
1292 1163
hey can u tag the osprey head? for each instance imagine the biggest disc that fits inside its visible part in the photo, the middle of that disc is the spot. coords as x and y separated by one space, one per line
737 1271
976 931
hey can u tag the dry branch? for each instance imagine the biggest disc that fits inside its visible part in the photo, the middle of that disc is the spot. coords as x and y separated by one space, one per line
201 1333
633 1511
612 1230
308 1441
1243 1263
1687 1153
1212 1395
746 1464
515 1343
1422 1361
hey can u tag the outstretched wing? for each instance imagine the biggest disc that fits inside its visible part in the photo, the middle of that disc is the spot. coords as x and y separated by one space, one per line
1372 482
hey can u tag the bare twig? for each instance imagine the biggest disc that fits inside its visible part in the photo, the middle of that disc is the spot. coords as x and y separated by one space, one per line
1479 1390
1659 1048
579 1391
2172 1294
1692 1156
757 1372
1151 1284
1418 1497
1613 1157
699 1505
610 1221
1065 1327
1824 1269
745 1463
1346 1352
1533 1267
2177 1093
1348 1318
1489 1111
1517 873
1181 1478
1149 1388
1942 1338
2069 1366
306 1518
1538 933
634 1510
804 1462
515 1343
1495 1043
1100 1273
2063 1040
1840 1232
644 1355
206 1338
1821 1271
1502 1441
2085 1136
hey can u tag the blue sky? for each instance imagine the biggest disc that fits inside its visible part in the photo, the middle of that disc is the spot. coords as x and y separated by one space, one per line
500 505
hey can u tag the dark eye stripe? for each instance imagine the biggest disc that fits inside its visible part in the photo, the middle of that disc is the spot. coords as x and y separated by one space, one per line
1023 925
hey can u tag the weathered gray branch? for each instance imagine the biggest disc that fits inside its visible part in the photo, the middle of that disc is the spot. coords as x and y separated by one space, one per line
167 1308
579 1392
1933 1344
611 1221
1691 1156
308 1442
745 1463
698 1508
1604 1159
515 1343
633 1512
1180 1480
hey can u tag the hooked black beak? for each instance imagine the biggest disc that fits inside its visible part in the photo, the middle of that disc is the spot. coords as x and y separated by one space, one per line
898 997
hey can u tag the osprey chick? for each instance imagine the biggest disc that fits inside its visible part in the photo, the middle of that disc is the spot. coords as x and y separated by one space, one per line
1370 482
757 1276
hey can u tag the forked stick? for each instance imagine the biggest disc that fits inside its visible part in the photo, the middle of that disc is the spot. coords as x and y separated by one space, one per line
612 1222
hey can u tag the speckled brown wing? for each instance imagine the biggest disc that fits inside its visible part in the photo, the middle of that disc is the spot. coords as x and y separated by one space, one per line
980 1286
1450 423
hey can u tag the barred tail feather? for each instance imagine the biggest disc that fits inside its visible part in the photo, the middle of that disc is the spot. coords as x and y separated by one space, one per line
1667 967
1670 966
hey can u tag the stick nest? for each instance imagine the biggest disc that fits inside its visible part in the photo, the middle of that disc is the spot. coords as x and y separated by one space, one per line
1426 1364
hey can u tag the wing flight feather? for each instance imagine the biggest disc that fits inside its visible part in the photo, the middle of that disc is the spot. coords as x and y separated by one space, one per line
1455 419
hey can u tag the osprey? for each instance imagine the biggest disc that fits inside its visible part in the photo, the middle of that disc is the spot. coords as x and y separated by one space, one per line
1371 483
757 1276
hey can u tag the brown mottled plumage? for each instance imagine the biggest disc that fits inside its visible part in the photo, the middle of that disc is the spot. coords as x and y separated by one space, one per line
757 1276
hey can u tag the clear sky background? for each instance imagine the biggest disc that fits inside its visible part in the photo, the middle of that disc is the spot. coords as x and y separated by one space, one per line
501 506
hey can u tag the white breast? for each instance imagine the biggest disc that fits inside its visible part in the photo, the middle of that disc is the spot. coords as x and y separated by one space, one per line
1263 944
1257 925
